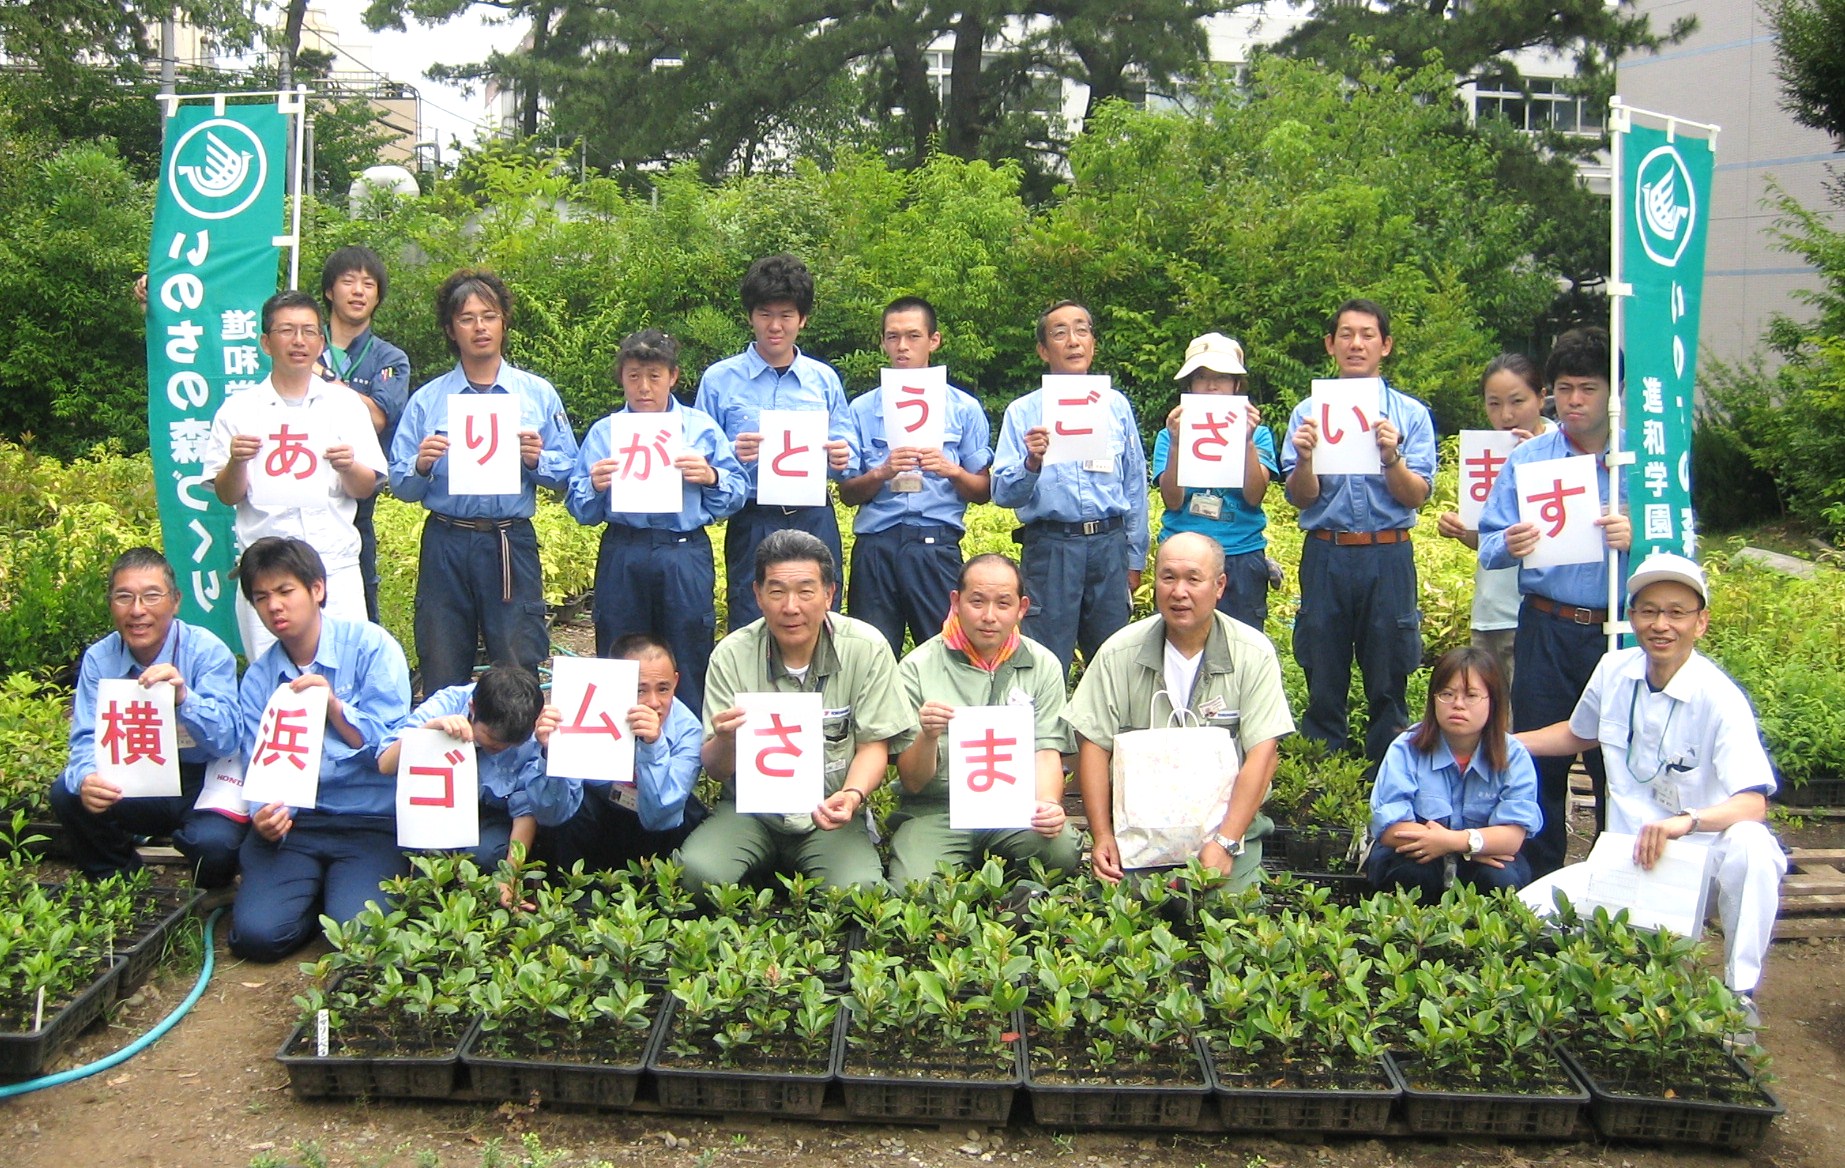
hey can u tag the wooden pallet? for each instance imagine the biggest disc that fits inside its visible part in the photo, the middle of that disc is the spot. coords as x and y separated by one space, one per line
1813 894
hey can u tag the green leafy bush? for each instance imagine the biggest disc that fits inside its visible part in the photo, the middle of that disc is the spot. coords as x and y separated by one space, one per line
34 733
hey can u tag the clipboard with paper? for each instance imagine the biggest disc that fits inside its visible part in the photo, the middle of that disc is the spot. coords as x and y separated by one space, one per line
1171 786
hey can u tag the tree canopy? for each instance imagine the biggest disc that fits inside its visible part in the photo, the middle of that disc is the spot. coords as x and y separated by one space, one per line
1810 61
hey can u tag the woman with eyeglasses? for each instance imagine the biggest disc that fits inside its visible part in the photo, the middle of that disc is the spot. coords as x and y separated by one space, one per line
1456 794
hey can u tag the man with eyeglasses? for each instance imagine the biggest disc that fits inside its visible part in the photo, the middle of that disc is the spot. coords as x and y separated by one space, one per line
151 645
1083 525
353 284
478 576
1684 754
306 431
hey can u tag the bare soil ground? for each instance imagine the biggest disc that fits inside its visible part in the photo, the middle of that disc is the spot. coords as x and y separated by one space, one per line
210 1095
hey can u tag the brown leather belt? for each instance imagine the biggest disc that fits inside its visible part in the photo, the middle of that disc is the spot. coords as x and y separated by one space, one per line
489 527
1362 538
1568 612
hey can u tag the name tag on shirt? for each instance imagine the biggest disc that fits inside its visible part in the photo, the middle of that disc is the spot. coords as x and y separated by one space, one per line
1099 465
1666 794
907 482
1206 505
626 795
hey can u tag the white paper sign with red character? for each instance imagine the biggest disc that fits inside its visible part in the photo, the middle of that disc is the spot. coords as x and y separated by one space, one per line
1561 496
915 405
791 471
1346 411
290 468
483 444
1483 455
643 446
1213 439
137 739
593 696
1076 414
438 791
223 790
285 765
781 753
992 768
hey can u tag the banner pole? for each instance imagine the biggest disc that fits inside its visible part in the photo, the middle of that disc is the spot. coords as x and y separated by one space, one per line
1618 291
298 107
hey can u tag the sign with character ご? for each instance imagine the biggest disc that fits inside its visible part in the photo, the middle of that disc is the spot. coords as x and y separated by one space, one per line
438 791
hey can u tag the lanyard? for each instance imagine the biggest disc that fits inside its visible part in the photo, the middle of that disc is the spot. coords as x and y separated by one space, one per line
1659 764
353 360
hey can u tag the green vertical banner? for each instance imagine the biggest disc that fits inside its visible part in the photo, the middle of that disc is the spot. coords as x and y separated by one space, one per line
1666 189
211 264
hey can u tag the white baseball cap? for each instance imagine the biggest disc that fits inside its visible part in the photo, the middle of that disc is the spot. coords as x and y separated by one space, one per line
1213 351
1664 566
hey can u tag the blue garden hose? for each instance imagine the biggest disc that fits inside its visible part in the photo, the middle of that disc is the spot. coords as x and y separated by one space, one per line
140 1044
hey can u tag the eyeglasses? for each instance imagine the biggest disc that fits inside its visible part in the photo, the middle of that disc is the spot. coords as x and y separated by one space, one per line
1061 333
1455 697
289 332
468 320
149 599
1648 613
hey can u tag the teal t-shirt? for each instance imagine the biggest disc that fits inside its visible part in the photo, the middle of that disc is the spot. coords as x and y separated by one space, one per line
1239 527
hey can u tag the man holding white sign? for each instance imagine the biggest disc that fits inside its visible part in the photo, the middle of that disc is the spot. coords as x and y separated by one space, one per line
1685 757
1083 523
478 576
772 373
505 717
294 455
1357 570
1200 434
154 648
654 571
300 862
1217 671
798 647
912 497
1563 610
980 659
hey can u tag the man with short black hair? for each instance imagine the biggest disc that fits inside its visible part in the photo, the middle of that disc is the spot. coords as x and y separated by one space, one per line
332 858
151 645
798 646
912 501
1357 569
771 373
275 420
353 285
478 575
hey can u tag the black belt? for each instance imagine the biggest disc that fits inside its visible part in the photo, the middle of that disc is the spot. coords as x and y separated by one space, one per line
490 527
784 512
918 531
1087 527
621 532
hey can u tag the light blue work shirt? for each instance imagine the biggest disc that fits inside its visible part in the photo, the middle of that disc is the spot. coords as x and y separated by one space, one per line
1240 527
666 769
1364 502
699 505
735 391
1582 585
540 409
513 782
1064 492
1422 787
965 442
367 671
208 715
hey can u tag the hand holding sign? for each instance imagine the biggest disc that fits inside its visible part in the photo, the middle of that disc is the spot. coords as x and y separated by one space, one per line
1076 413
915 405
781 758
285 765
792 467
137 738
289 469
992 768
483 444
1346 410
1562 499
1483 455
594 741
643 447
438 792
1213 439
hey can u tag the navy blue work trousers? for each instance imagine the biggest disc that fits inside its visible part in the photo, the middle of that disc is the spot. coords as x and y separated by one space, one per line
463 579
1556 658
901 578
747 528
104 844
664 583
328 864
1357 600
1078 588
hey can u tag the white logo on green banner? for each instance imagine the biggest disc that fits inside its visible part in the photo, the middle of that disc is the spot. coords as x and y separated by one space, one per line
211 264
1663 254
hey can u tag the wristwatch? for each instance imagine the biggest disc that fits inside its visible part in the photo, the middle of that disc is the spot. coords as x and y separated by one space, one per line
1475 842
1233 846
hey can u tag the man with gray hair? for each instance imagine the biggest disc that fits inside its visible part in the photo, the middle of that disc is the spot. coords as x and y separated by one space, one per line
799 646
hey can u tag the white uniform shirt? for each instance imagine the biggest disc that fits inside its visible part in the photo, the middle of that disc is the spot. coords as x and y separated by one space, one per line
335 416
1693 744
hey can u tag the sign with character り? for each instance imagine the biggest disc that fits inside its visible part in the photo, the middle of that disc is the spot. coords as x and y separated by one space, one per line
483 444
992 768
